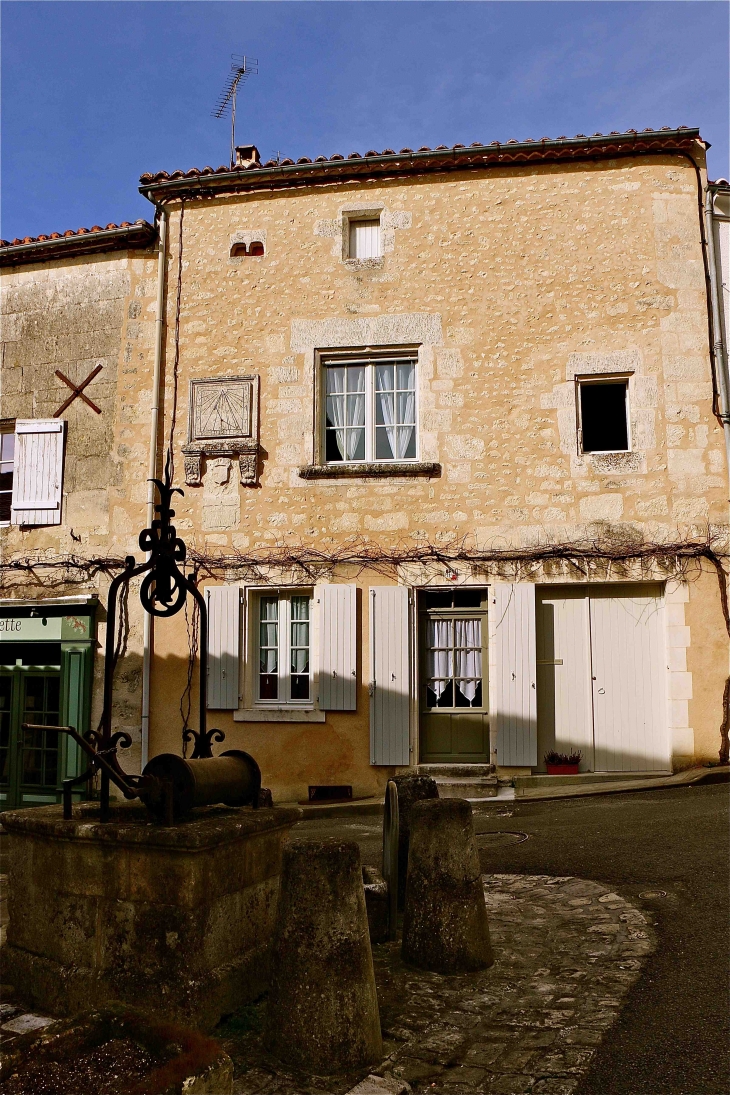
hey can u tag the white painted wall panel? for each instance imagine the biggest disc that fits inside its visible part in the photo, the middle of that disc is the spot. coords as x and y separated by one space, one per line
224 628
337 647
514 693
38 471
629 680
564 698
389 675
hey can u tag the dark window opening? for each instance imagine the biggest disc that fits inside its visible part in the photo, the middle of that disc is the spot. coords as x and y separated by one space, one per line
455 598
603 418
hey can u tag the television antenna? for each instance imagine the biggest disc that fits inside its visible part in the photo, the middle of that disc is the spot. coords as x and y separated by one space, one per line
241 69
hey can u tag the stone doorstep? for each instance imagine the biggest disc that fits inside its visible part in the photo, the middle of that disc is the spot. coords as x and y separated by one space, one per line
471 781
471 789
456 770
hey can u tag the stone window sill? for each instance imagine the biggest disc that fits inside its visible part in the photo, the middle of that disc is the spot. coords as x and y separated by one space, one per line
611 463
375 470
279 714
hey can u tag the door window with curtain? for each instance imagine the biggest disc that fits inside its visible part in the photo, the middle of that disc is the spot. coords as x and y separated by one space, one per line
370 409
454 655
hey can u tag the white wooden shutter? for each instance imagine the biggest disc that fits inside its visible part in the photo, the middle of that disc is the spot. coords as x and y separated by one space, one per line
513 690
389 675
38 471
365 239
223 604
337 647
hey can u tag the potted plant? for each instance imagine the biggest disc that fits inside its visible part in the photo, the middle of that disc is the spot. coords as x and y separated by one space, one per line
562 764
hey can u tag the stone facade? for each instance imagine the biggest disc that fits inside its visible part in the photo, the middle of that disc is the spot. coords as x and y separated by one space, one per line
507 283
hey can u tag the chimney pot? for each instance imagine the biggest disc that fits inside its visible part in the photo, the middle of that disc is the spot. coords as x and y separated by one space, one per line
247 154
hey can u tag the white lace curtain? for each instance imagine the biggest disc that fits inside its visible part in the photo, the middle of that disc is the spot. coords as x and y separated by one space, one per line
454 652
346 408
396 398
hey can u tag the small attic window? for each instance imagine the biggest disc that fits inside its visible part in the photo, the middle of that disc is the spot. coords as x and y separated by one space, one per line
241 250
604 417
364 239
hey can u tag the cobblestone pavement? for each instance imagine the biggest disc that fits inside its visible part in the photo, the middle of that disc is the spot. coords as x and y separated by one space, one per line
567 952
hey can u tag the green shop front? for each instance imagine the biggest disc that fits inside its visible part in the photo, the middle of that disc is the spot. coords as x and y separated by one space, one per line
46 665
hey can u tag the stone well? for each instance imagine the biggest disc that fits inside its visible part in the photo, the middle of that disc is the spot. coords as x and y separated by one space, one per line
173 920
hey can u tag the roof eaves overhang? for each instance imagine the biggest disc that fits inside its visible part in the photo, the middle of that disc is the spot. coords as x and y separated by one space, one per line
107 239
197 183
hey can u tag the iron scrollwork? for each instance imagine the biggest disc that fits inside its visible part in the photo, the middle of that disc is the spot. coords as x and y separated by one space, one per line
163 593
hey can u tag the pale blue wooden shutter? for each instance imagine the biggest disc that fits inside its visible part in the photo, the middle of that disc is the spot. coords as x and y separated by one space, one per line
389 686
38 471
224 616
514 685
337 605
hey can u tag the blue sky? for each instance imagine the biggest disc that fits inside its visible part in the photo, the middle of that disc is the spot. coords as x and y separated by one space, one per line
95 93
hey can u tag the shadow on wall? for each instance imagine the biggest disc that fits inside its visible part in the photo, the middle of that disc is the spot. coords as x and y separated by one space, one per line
292 756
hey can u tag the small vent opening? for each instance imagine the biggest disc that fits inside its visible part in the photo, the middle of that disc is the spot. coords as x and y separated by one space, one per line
330 792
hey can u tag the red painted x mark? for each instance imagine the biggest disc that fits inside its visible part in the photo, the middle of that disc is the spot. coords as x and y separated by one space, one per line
78 390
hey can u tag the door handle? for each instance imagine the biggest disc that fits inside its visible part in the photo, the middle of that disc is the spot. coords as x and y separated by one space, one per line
601 691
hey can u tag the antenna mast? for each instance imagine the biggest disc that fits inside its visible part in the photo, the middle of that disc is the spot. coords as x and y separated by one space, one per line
241 69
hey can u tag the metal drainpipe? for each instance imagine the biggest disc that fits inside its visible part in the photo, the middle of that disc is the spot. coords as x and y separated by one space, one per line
147 624
720 350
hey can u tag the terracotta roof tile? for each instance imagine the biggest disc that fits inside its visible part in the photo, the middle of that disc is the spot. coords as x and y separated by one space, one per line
72 232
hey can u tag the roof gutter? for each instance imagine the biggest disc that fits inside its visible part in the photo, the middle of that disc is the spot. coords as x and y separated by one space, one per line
141 234
197 183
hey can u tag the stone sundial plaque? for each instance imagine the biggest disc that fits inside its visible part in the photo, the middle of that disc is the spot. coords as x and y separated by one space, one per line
223 421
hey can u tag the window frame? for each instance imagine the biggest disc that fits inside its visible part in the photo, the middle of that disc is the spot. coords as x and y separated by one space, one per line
7 426
466 613
369 357
353 215
284 596
595 380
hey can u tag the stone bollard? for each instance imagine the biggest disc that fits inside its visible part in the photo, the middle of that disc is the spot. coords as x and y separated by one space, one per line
445 927
411 789
322 1014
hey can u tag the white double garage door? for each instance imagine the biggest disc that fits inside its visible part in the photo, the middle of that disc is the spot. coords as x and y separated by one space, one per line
601 676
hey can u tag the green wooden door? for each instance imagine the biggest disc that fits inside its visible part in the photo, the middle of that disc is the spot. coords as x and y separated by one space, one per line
56 691
454 713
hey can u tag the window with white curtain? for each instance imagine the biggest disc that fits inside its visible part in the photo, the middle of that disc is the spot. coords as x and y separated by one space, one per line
370 409
284 642
365 239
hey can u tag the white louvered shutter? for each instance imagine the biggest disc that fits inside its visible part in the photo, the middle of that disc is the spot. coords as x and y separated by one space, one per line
38 471
224 615
514 684
365 239
389 675
337 647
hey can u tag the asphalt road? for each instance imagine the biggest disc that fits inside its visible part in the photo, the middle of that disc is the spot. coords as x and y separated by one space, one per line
673 1035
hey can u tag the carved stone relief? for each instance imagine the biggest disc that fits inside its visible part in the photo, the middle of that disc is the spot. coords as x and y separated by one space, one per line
223 422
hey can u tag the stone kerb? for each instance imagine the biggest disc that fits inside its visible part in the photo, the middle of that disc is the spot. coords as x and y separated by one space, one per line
322 1013
445 927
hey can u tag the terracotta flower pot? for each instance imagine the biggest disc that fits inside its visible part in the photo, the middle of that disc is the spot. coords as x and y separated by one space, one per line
562 769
